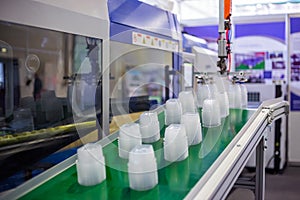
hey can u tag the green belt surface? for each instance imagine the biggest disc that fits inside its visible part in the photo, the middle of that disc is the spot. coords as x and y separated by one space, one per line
175 180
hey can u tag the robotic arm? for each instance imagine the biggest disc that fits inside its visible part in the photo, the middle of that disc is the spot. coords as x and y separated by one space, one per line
224 39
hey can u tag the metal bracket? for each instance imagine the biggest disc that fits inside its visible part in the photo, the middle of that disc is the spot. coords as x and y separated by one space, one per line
287 109
270 116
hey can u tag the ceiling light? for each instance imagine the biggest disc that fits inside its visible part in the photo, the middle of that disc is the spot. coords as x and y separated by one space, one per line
4 50
258 6
271 6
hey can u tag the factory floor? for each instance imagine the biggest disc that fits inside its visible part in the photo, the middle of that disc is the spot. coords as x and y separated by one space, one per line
278 187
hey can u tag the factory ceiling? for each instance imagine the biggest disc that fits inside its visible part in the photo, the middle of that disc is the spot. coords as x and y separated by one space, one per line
189 11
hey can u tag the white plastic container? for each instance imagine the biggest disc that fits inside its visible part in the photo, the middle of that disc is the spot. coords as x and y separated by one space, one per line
129 137
175 143
149 127
191 122
142 168
211 116
148 117
187 101
204 91
235 96
244 92
224 104
173 112
90 165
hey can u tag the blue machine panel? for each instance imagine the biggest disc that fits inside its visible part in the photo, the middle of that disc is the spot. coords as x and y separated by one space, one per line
189 41
272 29
203 31
123 33
135 14
128 16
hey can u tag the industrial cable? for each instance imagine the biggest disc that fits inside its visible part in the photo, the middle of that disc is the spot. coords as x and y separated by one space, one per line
227 36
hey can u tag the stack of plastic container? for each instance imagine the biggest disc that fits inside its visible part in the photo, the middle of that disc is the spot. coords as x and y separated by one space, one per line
149 127
129 137
90 165
142 168
192 125
187 101
175 143
173 112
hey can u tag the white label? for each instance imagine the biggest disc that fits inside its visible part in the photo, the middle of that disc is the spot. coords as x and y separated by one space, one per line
154 42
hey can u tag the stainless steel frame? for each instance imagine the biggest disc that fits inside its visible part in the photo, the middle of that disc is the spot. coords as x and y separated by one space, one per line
221 176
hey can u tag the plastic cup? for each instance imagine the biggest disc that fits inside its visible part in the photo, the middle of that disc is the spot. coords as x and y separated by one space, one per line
175 143
219 81
142 168
244 92
235 96
171 119
204 91
148 117
129 137
187 101
224 104
173 107
211 116
216 95
173 112
150 133
149 127
90 165
192 126
129 131
126 145
214 89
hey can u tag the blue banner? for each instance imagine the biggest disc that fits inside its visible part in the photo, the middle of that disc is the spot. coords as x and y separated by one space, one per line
295 102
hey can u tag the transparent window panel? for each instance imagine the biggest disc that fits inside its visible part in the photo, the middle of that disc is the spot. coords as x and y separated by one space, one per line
48 86
137 81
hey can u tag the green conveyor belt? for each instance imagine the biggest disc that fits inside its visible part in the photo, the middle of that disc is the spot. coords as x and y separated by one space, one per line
175 179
